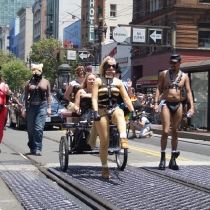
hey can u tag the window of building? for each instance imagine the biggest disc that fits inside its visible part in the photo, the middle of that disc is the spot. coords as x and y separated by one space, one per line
204 34
113 10
204 1
147 7
139 8
154 5
111 28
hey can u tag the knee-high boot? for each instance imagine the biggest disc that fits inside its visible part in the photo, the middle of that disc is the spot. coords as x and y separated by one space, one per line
172 163
162 164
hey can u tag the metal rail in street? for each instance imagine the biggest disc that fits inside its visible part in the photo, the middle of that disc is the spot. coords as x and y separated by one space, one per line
133 188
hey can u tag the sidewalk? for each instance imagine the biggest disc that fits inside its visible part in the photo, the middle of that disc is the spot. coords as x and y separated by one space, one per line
191 134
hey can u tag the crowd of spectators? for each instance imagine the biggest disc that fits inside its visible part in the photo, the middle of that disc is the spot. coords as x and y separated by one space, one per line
147 104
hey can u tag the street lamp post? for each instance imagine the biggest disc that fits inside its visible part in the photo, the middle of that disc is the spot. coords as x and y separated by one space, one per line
99 30
64 73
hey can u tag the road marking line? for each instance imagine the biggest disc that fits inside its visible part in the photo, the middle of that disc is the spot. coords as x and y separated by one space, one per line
151 152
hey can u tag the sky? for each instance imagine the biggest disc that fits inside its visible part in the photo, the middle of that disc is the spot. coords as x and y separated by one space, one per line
65 15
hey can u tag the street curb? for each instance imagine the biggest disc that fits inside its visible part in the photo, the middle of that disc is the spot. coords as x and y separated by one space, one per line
187 135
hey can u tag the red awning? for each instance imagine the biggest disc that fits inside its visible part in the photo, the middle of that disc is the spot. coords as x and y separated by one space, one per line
148 80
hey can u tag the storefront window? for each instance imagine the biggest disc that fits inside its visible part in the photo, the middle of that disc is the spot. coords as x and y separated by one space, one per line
199 82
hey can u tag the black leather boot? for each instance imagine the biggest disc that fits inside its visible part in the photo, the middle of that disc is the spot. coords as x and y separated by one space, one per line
162 164
172 163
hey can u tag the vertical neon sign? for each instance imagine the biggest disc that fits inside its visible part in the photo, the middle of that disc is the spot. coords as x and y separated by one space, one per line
91 21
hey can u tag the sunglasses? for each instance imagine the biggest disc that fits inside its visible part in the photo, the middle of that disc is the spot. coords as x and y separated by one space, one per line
113 66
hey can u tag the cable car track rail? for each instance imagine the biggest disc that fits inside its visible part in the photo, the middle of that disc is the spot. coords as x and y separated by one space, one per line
134 187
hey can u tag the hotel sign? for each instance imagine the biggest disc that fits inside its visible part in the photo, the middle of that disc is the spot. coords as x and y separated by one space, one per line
91 21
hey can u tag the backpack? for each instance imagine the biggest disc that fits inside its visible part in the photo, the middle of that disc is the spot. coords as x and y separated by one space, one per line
80 140
147 115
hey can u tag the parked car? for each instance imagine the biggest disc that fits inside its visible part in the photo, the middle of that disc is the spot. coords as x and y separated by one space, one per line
55 119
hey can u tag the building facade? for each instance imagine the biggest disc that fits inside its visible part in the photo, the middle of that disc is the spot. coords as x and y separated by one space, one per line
190 39
4 42
9 9
106 14
14 36
39 20
52 19
26 30
71 35
69 13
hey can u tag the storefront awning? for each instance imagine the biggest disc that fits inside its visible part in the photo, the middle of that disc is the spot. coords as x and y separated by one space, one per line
148 80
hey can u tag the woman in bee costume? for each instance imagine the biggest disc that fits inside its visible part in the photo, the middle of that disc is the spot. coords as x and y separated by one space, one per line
104 100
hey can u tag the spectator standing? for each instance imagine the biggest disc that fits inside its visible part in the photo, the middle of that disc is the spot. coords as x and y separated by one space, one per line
36 106
4 90
171 84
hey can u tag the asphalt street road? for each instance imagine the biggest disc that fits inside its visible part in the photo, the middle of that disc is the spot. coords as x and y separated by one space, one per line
142 151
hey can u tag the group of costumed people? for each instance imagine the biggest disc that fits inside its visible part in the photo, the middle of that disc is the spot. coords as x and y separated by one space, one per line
101 95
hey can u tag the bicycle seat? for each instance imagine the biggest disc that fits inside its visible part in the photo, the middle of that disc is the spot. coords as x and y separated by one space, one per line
66 114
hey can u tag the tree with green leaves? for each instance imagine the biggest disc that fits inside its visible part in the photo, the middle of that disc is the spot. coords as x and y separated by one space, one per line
45 52
6 58
16 73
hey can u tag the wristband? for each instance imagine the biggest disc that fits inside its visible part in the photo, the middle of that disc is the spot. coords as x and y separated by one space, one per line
155 102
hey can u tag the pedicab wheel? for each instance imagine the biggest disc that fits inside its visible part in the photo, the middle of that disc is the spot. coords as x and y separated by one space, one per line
121 158
64 153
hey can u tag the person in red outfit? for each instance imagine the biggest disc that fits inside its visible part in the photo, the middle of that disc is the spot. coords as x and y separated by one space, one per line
4 90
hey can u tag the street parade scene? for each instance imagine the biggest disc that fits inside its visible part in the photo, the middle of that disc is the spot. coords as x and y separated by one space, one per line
104 105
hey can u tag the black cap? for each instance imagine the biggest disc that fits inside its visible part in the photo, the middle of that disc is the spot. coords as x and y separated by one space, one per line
175 58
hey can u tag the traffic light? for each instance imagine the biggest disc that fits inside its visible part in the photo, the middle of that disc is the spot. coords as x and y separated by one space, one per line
58 55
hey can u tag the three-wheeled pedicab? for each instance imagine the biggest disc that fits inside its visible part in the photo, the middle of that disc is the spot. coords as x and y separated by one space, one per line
76 138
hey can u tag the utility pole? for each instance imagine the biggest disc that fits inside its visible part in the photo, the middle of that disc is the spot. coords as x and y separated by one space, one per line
173 34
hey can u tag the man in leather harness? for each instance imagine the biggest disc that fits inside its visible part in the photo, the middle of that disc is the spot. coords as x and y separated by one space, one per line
171 84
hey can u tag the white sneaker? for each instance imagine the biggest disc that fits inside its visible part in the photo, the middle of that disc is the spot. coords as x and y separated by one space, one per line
151 134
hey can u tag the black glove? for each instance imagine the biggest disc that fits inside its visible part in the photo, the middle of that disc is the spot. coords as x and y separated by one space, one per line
96 116
134 115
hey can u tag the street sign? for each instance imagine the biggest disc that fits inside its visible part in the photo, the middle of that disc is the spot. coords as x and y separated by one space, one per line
95 68
119 34
138 35
83 55
155 36
71 55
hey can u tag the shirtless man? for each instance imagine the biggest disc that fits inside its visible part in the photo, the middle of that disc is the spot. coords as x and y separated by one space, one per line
171 84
